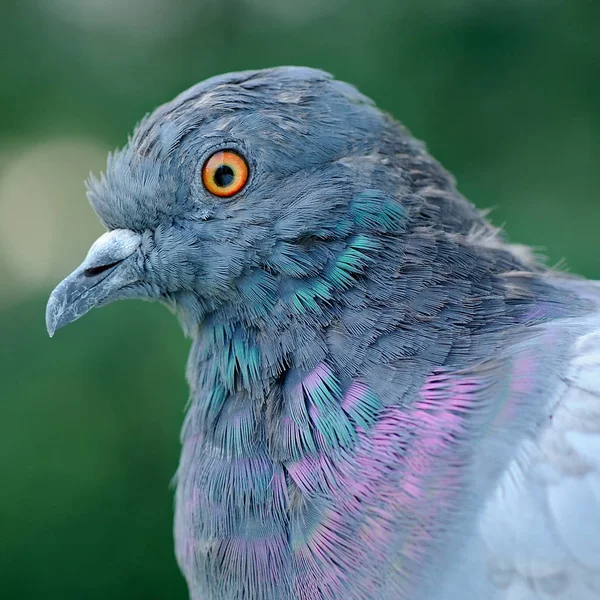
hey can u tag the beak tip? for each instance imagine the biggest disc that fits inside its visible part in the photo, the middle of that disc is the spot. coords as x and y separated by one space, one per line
54 312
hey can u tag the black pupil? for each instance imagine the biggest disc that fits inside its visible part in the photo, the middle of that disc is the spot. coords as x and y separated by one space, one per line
224 176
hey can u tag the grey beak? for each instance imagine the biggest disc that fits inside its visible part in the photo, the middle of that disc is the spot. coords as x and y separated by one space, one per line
99 280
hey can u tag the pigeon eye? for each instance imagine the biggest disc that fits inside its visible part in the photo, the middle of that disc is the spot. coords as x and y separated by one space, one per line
225 173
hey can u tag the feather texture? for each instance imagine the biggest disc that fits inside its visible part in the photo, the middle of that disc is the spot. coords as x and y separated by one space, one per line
387 400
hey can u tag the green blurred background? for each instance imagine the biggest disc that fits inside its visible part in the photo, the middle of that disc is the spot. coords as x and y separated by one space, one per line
506 94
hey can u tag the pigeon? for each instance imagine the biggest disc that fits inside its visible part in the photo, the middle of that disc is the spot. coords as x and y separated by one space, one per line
388 400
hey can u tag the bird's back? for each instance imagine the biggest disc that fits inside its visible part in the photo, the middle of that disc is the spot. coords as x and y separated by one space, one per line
537 535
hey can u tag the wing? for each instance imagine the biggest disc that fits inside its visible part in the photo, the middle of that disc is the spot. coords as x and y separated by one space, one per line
540 531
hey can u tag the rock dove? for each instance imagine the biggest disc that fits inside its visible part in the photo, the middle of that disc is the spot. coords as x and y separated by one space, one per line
387 399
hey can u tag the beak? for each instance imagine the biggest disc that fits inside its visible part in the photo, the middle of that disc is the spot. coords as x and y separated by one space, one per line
101 278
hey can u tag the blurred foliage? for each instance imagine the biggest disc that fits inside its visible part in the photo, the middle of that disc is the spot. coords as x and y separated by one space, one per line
507 96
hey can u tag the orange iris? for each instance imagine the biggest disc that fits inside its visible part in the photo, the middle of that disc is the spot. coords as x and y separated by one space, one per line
225 173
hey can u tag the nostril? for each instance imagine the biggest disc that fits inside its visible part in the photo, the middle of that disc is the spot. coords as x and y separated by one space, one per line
93 271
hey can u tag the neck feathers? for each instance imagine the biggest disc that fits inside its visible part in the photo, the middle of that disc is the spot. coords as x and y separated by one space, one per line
378 309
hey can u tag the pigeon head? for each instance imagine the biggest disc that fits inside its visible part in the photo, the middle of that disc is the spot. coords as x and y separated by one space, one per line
245 181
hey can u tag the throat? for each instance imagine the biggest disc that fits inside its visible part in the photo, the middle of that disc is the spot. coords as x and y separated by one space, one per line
227 390
232 499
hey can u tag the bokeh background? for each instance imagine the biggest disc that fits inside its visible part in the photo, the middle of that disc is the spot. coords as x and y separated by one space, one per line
506 94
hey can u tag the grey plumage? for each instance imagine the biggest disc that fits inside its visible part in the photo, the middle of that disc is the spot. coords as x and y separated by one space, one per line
387 399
